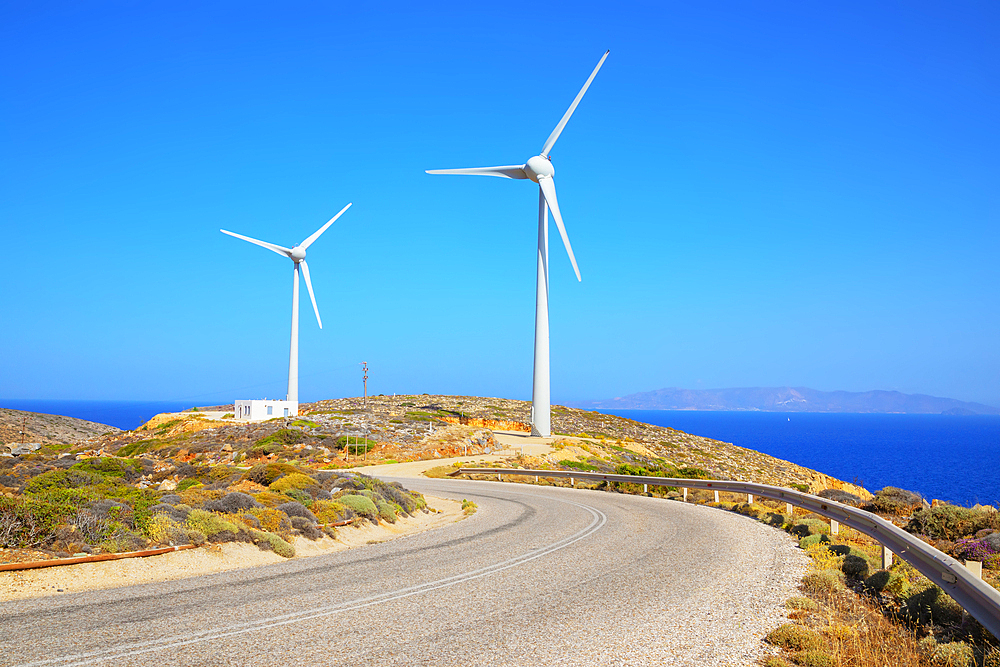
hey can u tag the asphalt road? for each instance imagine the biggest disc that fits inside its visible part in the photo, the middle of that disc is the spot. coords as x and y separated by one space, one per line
538 576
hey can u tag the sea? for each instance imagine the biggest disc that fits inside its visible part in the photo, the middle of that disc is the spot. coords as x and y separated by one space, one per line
948 457
126 415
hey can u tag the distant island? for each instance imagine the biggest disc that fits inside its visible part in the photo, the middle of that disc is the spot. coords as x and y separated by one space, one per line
789 399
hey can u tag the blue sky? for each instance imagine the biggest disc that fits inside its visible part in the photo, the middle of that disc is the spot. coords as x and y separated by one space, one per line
758 194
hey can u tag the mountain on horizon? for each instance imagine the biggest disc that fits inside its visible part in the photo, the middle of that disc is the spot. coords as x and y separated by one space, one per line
789 399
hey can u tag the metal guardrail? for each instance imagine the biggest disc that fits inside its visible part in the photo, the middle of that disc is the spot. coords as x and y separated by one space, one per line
981 600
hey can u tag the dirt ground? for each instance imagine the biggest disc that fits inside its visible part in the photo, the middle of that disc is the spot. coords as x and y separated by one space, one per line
58 580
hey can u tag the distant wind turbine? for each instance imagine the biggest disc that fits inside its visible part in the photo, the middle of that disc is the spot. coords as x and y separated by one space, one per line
298 257
540 170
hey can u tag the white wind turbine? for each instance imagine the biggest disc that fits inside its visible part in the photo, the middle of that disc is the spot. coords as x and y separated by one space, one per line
540 170
298 256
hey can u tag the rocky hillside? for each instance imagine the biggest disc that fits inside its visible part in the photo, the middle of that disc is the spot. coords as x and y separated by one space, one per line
336 433
48 429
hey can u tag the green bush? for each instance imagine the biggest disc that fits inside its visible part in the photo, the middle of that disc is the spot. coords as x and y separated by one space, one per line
265 473
812 540
295 480
932 605
892 500
186 484
110 466
210 524
950 522
823 581
281 438
271 542
361 505
330 511
688 472
793 637
26 523
952 654
814 658
300 496
804 527
75 497
855 566
138 447
578 465
61 479
387 511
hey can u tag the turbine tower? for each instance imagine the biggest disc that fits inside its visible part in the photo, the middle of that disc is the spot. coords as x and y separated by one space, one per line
540 170
298 256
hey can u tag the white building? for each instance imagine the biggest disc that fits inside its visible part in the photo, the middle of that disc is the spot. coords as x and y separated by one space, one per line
261 410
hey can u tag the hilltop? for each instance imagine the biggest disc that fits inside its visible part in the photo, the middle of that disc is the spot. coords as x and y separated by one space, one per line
47 429
790 399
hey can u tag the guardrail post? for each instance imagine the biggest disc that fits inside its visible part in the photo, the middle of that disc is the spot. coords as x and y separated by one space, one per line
685 494
749 499
645 488
716 495
975 567
886 558
789 510
499 478
536 479
572 482
834 527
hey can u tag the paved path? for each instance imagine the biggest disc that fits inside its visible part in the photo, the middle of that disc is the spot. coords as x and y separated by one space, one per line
539 576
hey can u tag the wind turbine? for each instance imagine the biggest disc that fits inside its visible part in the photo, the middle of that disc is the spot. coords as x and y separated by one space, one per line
540 170
298 256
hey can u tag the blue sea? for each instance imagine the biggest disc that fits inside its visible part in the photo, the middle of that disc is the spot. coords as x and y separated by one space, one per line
953 458
125 415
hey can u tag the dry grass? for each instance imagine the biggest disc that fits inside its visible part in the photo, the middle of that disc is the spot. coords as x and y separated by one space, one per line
857 634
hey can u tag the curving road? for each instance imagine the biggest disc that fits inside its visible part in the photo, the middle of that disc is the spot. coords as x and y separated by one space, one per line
538 576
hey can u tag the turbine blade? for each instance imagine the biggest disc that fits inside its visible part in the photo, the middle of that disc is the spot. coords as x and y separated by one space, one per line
550 142
309 288
548 188
263 244
511 171
309 241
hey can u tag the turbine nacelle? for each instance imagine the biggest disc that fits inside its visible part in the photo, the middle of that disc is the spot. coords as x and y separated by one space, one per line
298 253
538 167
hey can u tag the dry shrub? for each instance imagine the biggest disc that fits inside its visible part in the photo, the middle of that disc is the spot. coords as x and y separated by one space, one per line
793 637
295 480
814 659
857 633
823 581
246 486
801 603
198 497
330 511
270 499
272 520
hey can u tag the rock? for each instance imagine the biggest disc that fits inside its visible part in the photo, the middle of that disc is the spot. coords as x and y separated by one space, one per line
227 447
984 508
167 485
993 540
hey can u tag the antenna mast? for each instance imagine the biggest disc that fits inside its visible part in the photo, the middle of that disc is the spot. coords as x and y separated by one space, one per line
364 367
